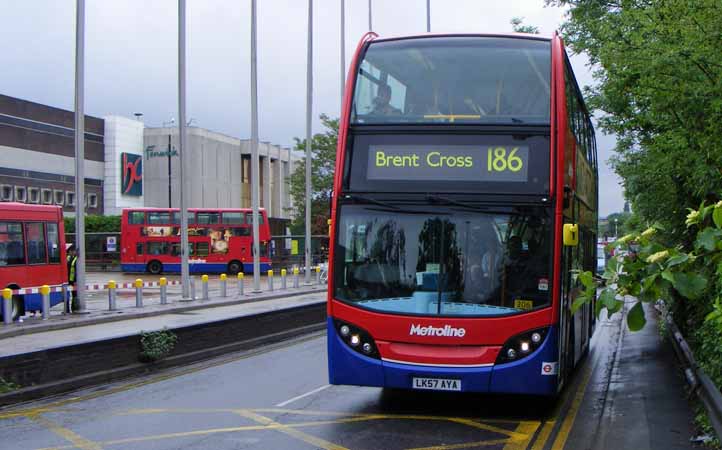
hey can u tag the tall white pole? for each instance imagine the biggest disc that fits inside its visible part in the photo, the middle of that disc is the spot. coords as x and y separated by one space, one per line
428 16
370 23
183 144
255 179
80 153
343 51
309 113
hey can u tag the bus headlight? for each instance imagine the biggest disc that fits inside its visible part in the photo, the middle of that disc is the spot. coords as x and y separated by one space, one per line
357 339
521 345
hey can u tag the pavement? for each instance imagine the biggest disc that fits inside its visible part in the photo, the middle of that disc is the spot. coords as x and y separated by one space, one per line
628 394
97 304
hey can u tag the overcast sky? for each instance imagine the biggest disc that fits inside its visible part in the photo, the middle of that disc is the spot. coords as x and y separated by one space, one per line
131 57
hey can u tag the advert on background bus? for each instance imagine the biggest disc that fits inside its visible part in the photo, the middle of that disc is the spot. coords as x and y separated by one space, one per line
465 199
32 253
219 240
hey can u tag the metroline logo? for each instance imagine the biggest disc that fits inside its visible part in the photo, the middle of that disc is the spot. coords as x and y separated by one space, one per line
446 331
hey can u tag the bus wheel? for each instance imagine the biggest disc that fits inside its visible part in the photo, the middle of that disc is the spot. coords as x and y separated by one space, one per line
234 267
155 267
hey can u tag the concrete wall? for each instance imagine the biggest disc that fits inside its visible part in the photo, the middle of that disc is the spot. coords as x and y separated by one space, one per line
216 176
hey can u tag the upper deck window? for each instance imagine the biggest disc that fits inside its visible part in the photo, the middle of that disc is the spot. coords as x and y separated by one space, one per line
454 79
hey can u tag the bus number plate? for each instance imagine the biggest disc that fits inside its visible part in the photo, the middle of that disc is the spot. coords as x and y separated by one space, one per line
437 384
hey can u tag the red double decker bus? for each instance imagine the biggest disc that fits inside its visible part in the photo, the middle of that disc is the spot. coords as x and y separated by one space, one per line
465 198
219 240
32 253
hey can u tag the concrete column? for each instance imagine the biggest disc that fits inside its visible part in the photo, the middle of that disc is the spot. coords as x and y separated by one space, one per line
267 180
280 180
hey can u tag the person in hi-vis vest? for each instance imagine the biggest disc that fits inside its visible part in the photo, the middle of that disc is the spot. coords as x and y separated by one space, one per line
72 260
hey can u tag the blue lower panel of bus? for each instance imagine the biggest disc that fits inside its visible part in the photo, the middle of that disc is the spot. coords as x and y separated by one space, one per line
34 302
194 268
347 366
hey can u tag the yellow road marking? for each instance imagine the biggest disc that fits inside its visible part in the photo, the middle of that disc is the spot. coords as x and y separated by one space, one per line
318 442
67 434
468 422
571 415
464 445
527 429
544 434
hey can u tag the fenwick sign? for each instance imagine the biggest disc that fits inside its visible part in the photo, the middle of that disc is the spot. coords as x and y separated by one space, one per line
151 152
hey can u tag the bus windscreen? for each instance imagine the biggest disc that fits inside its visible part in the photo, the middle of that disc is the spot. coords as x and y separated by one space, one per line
436 260
466 79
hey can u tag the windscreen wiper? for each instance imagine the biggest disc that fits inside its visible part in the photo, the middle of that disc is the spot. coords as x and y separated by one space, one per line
371 200
450 201
388 206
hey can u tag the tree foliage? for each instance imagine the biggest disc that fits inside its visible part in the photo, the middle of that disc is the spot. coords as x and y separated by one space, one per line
323 164
517 24
658 73
95 224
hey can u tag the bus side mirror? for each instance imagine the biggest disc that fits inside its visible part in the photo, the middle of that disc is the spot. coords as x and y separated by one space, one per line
571 234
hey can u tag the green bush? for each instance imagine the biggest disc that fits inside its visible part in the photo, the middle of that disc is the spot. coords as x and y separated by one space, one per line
95 224
156 345
7 386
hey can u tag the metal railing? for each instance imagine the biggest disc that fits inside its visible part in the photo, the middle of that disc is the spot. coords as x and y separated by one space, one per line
700 383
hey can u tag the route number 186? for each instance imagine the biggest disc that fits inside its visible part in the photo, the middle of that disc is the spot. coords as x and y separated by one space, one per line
499 160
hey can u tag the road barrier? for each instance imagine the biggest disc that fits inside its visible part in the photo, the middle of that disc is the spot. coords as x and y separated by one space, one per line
700 383
138 285
163 290
224 293
138 293
7 306
111 296
204 284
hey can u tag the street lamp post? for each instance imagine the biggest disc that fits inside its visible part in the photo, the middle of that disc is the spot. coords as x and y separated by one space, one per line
170 151
616 235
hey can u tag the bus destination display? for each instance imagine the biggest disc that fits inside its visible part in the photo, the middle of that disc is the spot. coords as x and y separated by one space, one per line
448 163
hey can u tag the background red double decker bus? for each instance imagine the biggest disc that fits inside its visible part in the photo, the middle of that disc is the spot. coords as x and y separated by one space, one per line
219 240
32 253
465 198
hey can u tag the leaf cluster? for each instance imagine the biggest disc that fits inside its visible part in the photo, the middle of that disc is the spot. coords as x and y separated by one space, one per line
645 270
156 345
323 164
658 72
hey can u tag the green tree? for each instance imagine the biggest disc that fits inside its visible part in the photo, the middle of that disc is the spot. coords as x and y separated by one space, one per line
323 167
658 73
517 24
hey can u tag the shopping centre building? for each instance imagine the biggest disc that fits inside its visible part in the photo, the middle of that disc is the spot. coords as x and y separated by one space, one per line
128 164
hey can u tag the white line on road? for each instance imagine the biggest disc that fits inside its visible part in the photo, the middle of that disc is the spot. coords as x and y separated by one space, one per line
291 400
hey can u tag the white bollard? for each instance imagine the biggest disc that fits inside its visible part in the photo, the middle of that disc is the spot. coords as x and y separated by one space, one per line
138 293
7 306
204 284
240 283
283 279
224 292
270 280
45 292
111 295
163 290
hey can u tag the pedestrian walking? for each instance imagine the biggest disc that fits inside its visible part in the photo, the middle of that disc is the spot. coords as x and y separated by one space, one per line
72 261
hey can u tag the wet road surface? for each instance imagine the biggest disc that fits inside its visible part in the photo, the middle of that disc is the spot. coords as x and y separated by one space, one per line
277 397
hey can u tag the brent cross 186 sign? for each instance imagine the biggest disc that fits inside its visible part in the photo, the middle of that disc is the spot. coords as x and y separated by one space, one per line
131 174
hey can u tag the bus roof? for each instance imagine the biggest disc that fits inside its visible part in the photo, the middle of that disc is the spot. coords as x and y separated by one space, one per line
446 35
15 207
153 209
